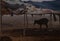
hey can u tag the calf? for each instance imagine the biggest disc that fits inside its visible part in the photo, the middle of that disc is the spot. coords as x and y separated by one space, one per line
43 21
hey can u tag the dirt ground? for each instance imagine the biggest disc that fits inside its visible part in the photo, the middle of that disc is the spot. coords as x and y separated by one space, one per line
14 27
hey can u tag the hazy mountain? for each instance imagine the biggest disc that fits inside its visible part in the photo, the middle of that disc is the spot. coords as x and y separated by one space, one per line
55 5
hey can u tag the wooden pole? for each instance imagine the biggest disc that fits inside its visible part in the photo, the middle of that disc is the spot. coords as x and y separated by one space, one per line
32 16
50 20
24 20
54 17
27 20
1 24
1 18
59 19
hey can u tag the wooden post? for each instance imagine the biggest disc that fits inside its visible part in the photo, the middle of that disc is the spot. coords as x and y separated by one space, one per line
54 16
32 19
32 16
1 23
50 20
1 19
59 19
26 20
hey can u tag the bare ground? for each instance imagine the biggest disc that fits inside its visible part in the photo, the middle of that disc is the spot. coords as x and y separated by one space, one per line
14 28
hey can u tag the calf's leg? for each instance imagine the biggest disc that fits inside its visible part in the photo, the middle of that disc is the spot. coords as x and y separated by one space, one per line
46 26
40 26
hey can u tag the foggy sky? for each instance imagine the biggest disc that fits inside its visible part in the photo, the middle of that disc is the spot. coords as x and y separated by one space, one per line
38 0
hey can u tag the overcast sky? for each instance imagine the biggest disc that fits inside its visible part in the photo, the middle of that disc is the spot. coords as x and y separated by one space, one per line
38 0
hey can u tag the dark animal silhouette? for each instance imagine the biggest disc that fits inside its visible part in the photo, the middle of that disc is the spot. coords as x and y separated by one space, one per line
43 21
